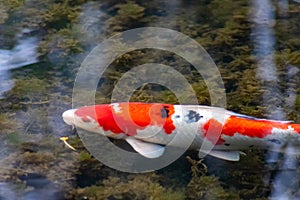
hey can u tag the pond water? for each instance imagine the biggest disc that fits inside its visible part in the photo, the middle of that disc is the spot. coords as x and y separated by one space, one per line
255 45
24 53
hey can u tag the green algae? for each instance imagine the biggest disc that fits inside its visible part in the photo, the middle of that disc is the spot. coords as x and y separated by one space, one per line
7 6
59 21
4 14
230 47
247 176
128 16
6 123
36 158
246 95
64 41
89 167
56 166
29 88
130 10
59 15
13 4
208 187
204 186
288 56
136 187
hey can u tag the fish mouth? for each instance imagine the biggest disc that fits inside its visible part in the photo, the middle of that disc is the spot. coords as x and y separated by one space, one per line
69 117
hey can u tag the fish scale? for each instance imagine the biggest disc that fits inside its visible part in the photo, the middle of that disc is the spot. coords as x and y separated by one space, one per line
147 126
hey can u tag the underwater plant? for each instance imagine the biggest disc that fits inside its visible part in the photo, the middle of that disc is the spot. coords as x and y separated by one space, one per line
6 123
29 89
60 44
129 15
139 186
204 186
60 15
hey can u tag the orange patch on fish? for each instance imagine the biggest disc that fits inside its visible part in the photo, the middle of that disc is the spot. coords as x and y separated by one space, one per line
243 126
251 128
213 130
129 117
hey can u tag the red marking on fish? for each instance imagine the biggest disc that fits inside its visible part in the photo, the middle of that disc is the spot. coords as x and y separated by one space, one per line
129 117
258 128
250 128
212 127
237 132
296 127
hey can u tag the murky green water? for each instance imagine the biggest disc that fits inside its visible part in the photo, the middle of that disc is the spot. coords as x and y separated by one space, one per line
255 45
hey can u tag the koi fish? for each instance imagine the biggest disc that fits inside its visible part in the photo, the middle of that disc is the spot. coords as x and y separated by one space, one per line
148 127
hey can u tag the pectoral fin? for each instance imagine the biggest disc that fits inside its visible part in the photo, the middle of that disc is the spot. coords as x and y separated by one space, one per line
226 155
148 150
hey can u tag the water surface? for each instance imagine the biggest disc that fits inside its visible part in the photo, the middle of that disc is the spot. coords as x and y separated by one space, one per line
254 44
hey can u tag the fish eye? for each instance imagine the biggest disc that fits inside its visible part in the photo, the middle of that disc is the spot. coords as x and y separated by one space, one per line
164 112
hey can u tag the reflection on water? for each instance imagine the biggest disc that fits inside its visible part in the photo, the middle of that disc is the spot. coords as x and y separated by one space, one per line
6 192
41 189
284 187
6 82
264 41
283 7
91 21
263 18
24 53
33 154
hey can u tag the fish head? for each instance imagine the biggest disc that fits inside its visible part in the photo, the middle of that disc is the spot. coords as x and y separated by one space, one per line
84 118
69 117
127 119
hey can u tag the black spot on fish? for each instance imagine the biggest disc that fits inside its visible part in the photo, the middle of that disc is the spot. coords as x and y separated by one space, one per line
165 112
274 141
193 116
227 144
177 116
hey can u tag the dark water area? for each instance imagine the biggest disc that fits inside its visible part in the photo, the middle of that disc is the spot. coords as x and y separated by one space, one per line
255 45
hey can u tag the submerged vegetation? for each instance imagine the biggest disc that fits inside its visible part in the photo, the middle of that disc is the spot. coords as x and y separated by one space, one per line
142 186
64 43
129 15
6 123
30 122
29 88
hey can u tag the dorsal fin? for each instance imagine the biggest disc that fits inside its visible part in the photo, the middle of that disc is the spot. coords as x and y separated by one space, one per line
255 118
